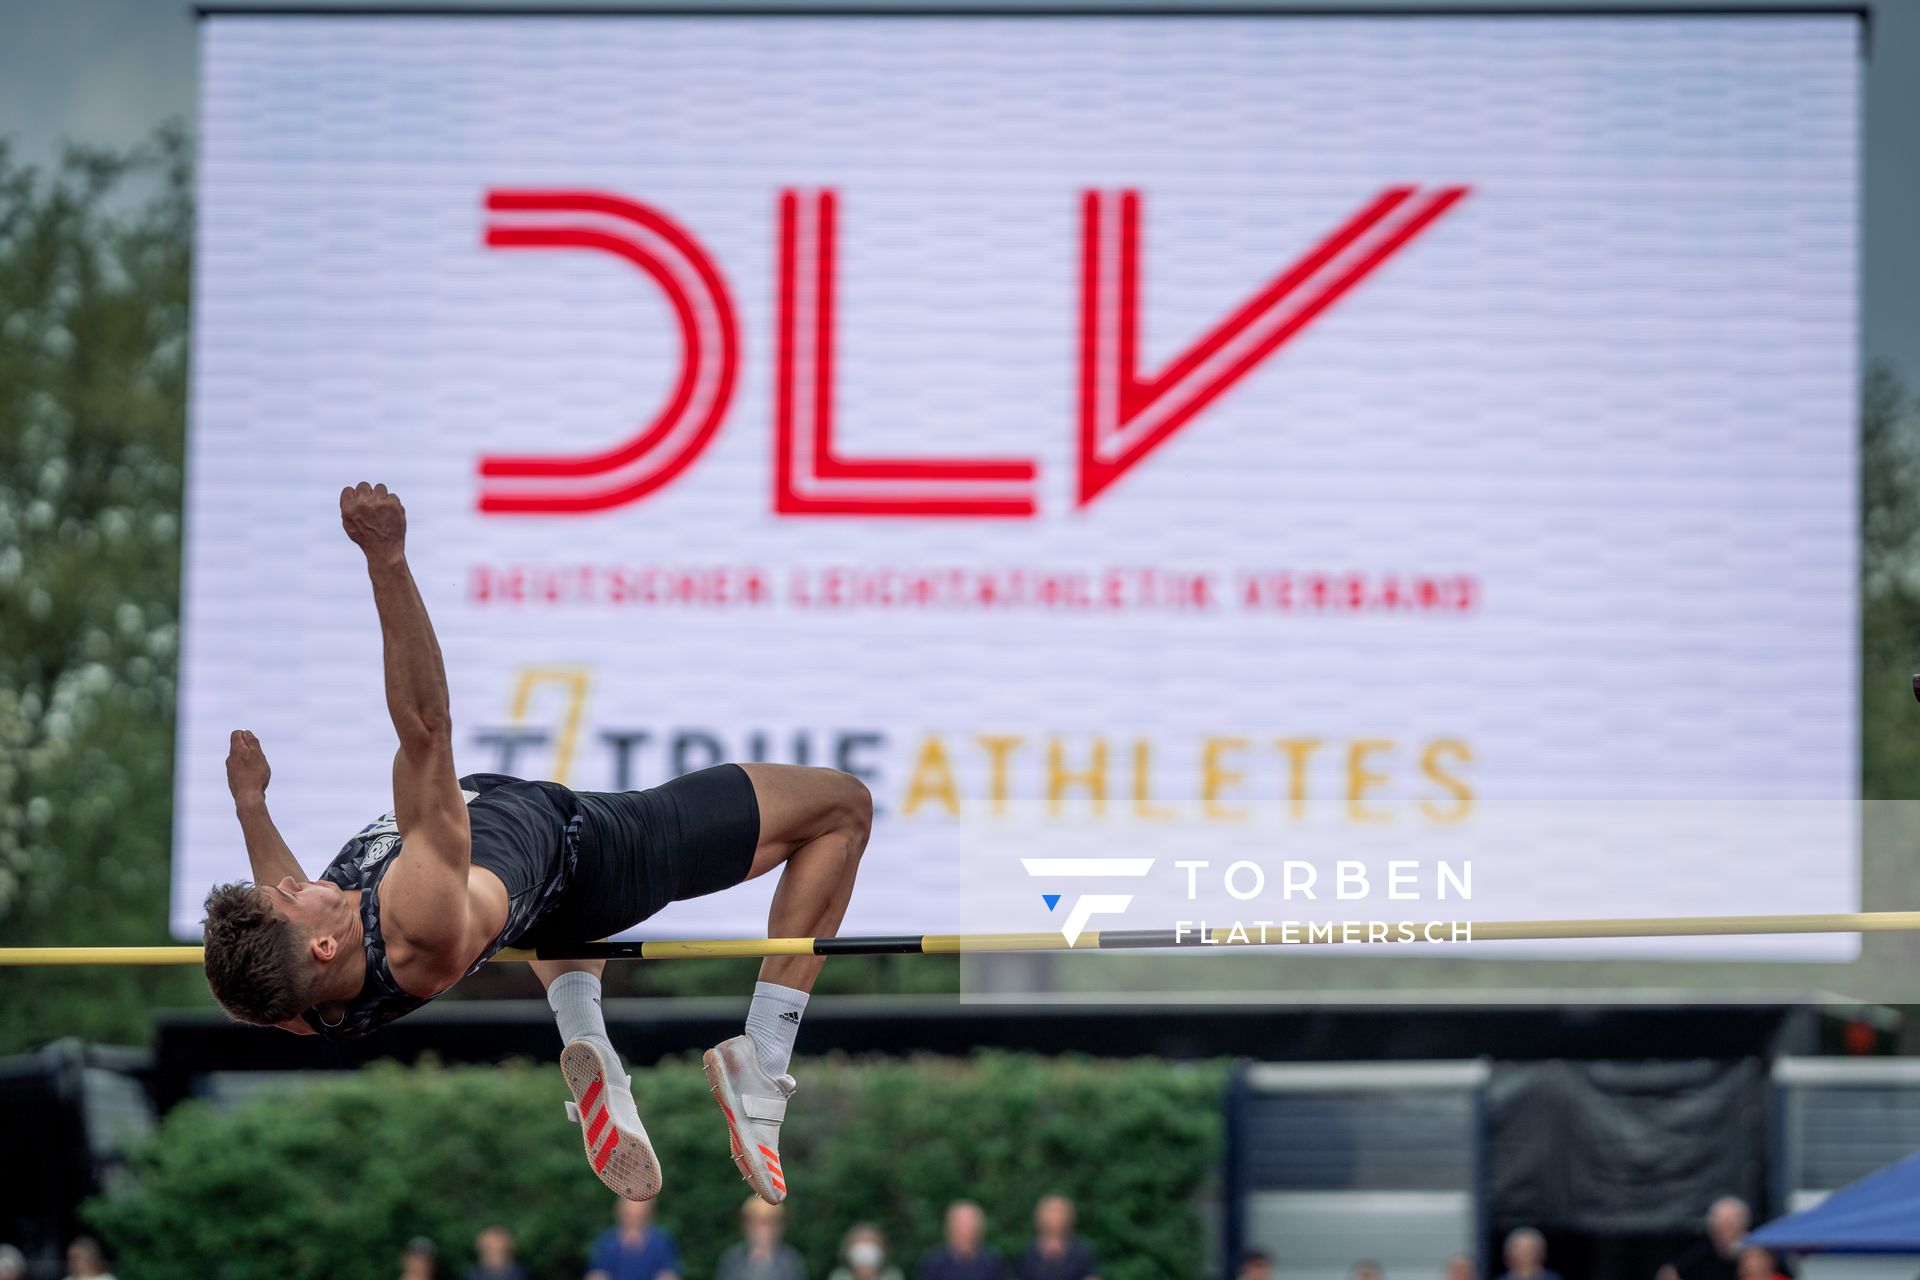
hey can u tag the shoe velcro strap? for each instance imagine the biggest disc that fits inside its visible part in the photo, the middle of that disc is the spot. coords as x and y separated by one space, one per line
774 1109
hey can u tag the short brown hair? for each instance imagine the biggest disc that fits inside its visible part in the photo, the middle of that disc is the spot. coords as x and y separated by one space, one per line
256 964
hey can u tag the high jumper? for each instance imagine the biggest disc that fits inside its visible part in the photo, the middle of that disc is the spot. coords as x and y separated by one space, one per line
462 867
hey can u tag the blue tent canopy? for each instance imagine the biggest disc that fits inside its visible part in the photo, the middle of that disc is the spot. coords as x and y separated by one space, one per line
1878 1214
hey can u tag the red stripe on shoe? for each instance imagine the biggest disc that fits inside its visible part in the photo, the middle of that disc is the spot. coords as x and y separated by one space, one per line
599 1123
769 1152
606 1152
779 1186
586 1099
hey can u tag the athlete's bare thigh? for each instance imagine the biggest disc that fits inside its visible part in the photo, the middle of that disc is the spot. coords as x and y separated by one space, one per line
798 804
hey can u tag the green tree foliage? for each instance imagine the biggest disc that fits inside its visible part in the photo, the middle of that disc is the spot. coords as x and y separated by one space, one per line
328 1180
1890 579
93 352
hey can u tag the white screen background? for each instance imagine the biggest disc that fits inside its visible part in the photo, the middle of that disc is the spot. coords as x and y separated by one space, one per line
1615 385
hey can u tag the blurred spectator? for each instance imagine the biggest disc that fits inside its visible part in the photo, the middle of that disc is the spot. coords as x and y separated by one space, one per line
965 1255
633 1248
86 1261
1056 1253
13 1263
863 1255
1714 1258
1526 1255
1758 1263
1366 1269
493 1256
418 1261
1254 1265
1461 1267
761 1254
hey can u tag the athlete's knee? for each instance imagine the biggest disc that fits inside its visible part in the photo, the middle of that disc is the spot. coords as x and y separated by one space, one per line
847 814
855 804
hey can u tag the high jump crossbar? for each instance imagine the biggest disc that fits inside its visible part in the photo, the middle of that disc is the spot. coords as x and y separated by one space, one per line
939 944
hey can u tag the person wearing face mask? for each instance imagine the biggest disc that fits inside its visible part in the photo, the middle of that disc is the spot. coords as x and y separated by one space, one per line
863 1255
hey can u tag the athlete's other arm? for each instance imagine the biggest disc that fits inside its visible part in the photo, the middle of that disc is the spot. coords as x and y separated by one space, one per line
247 777
272 861
425 897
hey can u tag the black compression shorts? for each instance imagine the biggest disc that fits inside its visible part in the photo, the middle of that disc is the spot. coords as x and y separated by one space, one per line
640 850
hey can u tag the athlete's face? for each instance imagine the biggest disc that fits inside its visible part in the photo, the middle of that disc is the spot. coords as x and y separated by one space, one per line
320 908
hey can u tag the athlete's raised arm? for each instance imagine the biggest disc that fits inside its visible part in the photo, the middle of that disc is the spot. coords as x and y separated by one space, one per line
247 777
427 894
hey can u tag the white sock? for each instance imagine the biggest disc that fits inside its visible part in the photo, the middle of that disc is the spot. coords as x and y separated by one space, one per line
773 1020
575 1000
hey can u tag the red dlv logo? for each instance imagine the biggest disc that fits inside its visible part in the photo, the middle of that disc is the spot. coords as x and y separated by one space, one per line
1124 416
709 362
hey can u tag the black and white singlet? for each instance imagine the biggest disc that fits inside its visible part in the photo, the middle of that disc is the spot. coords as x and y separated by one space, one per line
527 833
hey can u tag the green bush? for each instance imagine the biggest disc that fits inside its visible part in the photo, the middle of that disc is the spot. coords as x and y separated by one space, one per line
331 1178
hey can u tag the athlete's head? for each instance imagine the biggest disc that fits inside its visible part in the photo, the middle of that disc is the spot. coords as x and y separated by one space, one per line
269 947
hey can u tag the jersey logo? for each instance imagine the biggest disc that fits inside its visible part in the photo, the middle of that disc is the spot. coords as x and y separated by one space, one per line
378 848
383 835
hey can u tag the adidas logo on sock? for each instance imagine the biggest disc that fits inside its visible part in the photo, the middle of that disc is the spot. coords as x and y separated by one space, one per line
791 1015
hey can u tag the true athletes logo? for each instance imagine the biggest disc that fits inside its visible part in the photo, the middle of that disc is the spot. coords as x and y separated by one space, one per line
1124 413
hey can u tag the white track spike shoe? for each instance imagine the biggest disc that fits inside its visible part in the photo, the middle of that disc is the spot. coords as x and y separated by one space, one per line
755 1103
617 1145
